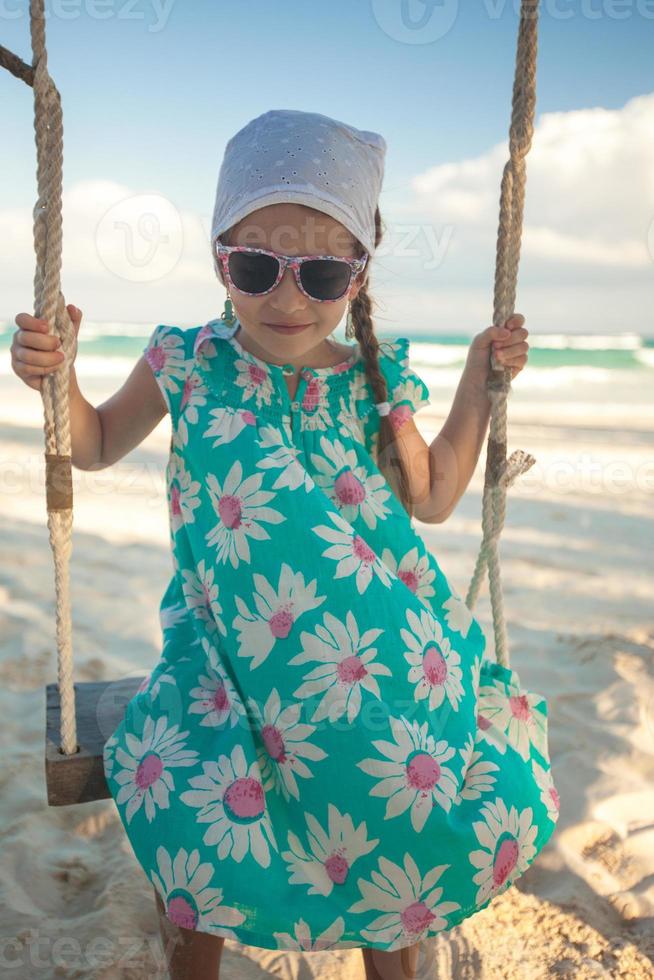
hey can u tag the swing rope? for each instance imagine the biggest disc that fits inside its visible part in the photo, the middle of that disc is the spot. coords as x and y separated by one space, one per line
49 304
500 471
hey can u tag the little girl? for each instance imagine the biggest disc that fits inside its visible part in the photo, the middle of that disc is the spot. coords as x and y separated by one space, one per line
320 759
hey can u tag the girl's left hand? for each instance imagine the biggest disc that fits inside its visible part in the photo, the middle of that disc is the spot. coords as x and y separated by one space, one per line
508 343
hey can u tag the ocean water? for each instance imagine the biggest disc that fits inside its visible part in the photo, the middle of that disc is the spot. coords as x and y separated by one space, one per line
600 370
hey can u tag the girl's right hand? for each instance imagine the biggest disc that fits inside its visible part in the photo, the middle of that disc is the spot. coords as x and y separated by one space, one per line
34 351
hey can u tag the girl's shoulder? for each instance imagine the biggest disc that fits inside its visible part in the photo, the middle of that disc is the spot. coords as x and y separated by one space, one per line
170 353
172 339
407 390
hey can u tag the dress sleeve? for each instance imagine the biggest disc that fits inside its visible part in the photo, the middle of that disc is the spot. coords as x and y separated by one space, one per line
165 352
407 392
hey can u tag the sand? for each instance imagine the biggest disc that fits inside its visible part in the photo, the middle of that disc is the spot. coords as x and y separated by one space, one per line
578 574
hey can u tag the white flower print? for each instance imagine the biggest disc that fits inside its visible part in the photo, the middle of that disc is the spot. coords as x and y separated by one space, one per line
282 457
457 615
353 553
515 714
194 396
349 426
358 390
204 346
238 504
415 775
549 793
475 675
231 799
477 778
276 612
350 418
332 852
166 358
348 484
215 697
108 759
171 616
408 390
301 940
507 838
201 595
285 740
488 732
255 382
374 446
394 349
145 775
434 665
345 668
154 689
416 572
227 423
411 905
182 493
189 901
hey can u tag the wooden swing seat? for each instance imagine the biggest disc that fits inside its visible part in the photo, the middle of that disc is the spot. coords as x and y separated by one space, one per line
99 707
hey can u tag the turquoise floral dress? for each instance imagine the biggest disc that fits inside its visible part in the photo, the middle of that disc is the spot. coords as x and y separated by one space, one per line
321 758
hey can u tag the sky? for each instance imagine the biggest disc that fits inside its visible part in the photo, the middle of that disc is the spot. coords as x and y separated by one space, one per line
152 91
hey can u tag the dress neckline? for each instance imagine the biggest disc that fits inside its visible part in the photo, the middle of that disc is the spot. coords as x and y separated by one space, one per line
333 369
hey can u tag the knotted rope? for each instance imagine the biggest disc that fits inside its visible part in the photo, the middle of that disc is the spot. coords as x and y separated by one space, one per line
500 472
49 305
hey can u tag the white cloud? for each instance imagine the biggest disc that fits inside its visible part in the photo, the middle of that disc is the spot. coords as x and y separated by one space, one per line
589 193
127 255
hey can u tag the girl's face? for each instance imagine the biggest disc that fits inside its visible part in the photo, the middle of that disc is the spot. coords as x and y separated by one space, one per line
291 229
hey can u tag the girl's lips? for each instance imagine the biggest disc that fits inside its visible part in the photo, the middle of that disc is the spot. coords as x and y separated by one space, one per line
288 327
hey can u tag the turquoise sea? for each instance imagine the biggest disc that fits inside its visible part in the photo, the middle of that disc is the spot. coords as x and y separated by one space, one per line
602 369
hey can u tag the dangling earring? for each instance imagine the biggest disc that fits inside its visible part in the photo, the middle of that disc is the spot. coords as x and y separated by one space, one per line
228 317
349 324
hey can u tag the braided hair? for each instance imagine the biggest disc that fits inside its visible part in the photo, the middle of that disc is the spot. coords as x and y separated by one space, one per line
390 460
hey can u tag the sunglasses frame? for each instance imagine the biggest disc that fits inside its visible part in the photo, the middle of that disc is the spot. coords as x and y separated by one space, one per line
292 261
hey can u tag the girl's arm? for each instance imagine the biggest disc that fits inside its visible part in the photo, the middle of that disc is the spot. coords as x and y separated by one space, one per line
103 435
99 436
439 474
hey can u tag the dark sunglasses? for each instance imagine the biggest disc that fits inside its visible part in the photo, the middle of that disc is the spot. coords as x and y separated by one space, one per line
256 271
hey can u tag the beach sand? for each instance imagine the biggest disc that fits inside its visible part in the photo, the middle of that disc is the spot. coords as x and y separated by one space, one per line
578 576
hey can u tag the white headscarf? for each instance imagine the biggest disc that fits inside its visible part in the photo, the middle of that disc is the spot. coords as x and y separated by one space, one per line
286 155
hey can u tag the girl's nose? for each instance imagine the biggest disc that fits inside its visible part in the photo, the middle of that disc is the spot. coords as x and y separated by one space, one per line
287 291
